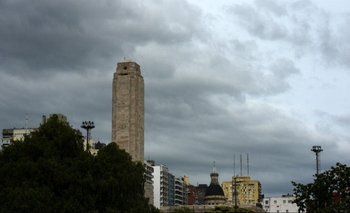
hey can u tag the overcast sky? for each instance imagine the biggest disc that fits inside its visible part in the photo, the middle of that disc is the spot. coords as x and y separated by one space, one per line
222 78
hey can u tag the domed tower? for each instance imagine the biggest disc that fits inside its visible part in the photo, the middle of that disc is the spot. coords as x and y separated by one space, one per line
214 194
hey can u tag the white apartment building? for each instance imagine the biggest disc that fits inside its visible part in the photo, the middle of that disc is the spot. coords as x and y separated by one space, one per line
168 190
283 204
160 187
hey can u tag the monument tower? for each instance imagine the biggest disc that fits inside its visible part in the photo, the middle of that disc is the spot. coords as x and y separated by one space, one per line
128 109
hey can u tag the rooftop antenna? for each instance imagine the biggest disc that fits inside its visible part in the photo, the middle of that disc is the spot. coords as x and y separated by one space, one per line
214 168
317 150
240 159
234 165
26 121
248 164
26 124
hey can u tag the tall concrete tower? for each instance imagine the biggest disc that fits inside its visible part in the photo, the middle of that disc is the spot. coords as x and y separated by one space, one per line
128 109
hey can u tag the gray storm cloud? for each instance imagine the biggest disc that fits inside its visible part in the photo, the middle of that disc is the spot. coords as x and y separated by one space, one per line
207 87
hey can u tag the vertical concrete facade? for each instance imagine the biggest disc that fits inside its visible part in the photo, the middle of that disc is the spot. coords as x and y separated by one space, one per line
128 109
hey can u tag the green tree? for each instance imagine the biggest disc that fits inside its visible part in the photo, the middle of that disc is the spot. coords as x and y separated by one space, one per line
330 191
50 172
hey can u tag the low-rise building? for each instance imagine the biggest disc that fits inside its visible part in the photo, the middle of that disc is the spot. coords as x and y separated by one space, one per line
15 134
94 146
282 204
191 196
18 134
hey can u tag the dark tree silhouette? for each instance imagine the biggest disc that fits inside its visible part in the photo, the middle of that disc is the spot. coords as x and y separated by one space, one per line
50 172
330 191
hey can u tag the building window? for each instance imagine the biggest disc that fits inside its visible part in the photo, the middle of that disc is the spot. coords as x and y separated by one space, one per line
284 201
275 201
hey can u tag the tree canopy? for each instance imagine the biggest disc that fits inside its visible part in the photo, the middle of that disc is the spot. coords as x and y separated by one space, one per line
50 172
330 191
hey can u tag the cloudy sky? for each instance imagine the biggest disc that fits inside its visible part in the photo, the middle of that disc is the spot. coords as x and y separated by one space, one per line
265 77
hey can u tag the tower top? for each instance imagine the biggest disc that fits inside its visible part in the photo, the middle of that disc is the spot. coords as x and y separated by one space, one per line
128 67
214 175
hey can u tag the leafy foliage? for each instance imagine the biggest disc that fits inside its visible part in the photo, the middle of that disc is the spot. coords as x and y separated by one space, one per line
50 172
330 191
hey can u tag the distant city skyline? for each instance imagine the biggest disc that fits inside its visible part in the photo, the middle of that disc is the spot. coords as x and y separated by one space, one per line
264 77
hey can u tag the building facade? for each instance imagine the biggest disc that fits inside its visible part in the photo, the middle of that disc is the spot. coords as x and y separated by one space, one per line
228 192
191 196
283 204
128 109
244 191
148 175
168 190
171 189
199 194
16 134
94 146
180 195
160 185
60 117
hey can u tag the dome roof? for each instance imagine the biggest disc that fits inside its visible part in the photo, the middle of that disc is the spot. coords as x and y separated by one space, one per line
214 189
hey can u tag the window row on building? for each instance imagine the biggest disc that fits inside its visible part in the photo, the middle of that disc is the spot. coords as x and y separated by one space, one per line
168 190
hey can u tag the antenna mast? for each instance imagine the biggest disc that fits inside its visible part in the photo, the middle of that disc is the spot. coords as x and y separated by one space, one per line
234 165
240 159
248 164
26 124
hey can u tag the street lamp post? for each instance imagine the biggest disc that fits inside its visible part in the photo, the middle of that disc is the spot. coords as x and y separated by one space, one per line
317 150
88 125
